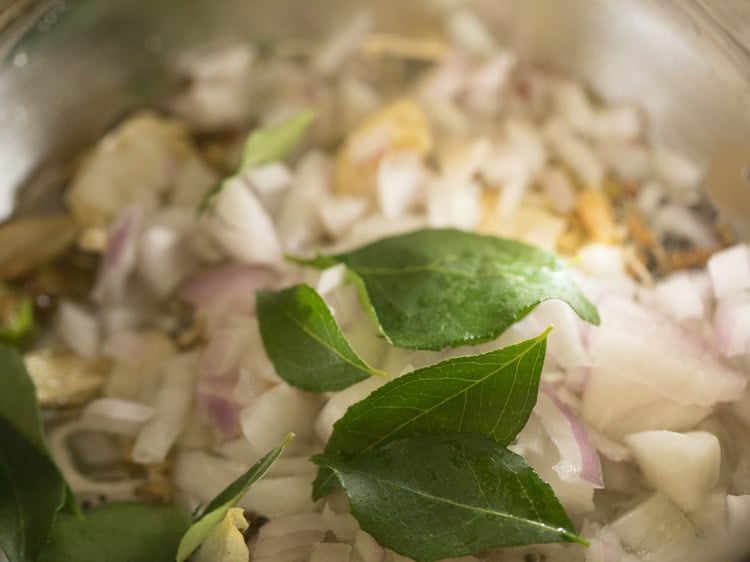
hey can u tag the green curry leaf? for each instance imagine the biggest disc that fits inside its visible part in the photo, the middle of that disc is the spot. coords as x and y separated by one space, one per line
263 146
118 532
435 496
32 490
218 508
432 289
304 342
491 394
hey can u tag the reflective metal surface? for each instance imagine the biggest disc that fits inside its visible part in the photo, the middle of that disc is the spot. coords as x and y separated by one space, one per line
73 67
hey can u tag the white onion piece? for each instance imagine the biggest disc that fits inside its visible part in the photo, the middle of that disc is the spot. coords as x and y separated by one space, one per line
222 353
576 154
298 222
572 104
630 161
277 412
469 32
79 329
121 255
270 182
80 483
289 538
683 466
218 88
343 525
559 189
204 476
172 406
732 325
339 402
399 180
113 415
678 296
663 375
729 270
241 226
215 398
579 462
487 81
658 527
125 346
226 285
164 259
565 343
339 214
453 205
330 552
366 548
622 122
341 45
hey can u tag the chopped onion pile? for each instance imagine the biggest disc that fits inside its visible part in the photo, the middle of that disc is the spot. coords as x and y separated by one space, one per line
641 424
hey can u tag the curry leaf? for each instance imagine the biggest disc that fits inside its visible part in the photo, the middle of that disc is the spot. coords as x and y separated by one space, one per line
32 490
304 342
217 509
263 146
31 493
491 394
432 497
118 532
432 289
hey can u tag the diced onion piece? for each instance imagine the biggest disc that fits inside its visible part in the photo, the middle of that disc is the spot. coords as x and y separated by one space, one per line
468 31
277 412
732 324
204 476
172 406
215 398
579 462
330 552
343 525
662 375
121 256
683 466
163 257
678 296
241 226
658 527
79 329
339 214
730 270
290 537
342 44
452 205
576 154
226 286
339 402
559 189
677 171
367 549
113 415
399 180
225 542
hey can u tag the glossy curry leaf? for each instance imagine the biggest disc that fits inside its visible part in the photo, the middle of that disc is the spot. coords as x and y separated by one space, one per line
490 394
432 289
32 490
31 494
118 532
263 146
304 342
217 509
432 497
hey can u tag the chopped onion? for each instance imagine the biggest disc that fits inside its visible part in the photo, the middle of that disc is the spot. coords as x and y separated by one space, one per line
172 406
730 270
239 224
559 189
732 324
121 256
339 214
277 412
215 398
579 461
367 549
226 286
330 552
663 375
576 154
342 44
113 415
163 257
400 179
79 329
682 466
